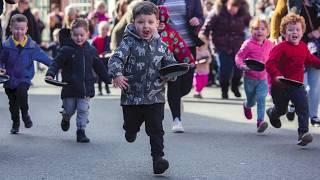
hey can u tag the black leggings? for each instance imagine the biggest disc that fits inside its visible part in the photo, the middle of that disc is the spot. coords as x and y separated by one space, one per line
179 88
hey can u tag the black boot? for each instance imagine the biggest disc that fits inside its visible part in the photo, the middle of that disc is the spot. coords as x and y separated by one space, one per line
15 127
65 122
160 165
81 136
27 121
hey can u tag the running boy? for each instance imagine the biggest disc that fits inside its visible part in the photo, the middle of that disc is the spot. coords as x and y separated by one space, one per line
135 69
17 58
257 47
77 58
288 60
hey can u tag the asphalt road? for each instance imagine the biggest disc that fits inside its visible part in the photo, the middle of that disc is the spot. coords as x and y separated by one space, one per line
219 144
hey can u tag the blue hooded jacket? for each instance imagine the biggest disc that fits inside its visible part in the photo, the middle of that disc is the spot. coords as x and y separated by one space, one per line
19 65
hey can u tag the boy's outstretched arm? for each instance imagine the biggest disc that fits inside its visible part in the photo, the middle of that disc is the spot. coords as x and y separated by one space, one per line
42 56
312 60
100 68
57 63
273 63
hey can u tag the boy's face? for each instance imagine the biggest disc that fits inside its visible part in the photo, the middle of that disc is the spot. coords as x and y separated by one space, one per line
19 30
146 25
294 33
79 35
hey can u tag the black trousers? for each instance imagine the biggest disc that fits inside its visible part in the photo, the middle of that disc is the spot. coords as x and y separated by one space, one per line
179 88
18 100
298 96
152 115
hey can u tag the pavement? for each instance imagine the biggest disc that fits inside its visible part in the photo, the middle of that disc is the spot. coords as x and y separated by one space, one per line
218 143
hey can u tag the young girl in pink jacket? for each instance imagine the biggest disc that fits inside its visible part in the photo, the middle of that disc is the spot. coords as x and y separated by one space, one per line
257 47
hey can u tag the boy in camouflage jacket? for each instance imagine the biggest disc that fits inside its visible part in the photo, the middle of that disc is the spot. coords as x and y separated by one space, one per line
135 69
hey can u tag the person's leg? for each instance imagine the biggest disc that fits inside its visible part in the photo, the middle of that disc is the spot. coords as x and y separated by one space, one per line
174 97
200 81
299 98
313 94
14 110
22 98
226 68
236 78
186 83
280 101
261 94
133 118
250 90
154 115
82 119
69 106
100 86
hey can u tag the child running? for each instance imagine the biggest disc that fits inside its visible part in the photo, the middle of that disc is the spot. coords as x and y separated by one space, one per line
17 60
77 58
288 59
258 48
135 69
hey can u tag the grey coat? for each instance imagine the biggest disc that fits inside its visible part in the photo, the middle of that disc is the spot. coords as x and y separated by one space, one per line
140 61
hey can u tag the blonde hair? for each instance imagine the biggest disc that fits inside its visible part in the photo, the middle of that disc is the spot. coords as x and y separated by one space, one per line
102 25
100 3
291 18
257 21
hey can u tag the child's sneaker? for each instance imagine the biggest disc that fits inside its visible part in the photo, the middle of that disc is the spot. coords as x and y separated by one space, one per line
291 111
261 126
81 136
304 139
15 128
275 122
130 137
315 121
177 126
160 165
247 111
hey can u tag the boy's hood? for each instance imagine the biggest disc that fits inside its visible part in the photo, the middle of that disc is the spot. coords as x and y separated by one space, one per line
163 14
131 31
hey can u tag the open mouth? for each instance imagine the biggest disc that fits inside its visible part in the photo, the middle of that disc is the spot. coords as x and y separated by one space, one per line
146 32
294 37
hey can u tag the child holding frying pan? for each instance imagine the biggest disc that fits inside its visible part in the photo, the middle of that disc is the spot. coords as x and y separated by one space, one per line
255 82
287 60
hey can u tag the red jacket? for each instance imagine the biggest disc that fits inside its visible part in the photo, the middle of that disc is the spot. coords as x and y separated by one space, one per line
289 60
174 41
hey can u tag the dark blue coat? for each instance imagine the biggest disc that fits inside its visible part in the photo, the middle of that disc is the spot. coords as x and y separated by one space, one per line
77 64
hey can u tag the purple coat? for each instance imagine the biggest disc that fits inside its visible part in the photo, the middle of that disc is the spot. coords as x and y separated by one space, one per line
227 31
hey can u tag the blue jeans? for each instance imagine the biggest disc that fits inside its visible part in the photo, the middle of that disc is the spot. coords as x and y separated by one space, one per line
312 80
229 71
70 105
256 91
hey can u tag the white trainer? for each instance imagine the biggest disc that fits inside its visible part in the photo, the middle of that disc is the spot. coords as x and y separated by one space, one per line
177 126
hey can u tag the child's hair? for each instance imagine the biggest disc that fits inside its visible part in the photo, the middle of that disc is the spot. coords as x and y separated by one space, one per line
18 18
291 18
146 8
99 3
80 22
256 22
102 25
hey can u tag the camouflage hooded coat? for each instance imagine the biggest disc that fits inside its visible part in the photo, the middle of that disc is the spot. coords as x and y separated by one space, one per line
140 60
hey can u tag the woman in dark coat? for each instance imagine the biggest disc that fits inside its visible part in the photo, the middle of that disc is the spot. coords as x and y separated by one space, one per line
226 26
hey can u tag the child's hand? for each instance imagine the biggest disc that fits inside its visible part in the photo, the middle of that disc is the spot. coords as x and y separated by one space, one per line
2 71
245 68
49 77
121 82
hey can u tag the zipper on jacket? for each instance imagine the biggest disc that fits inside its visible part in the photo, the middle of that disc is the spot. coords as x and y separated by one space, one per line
84 72
147 70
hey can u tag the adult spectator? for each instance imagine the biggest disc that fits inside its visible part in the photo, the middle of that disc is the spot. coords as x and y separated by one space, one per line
226 26
23 8
55 19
